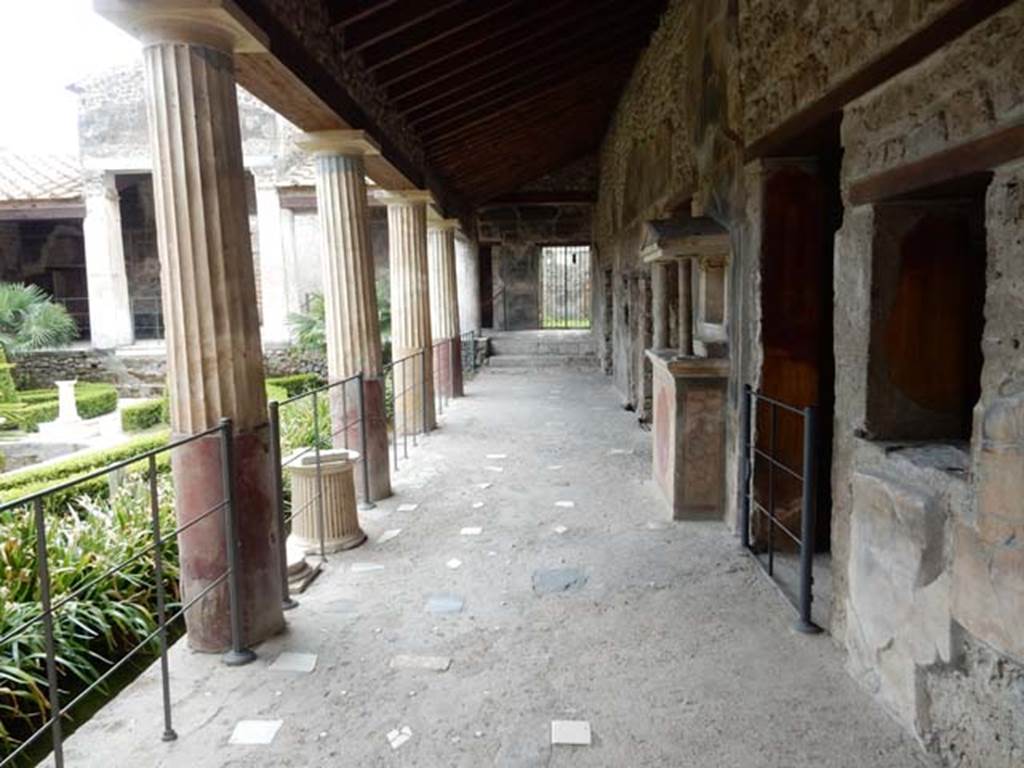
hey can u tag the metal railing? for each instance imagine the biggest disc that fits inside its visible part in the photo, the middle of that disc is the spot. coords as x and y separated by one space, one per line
145 464
469 353
806 478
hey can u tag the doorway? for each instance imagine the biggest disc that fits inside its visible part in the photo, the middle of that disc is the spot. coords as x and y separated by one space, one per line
565 286
486 274
802 211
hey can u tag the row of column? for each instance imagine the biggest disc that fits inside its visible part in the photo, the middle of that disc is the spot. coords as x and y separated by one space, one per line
215 361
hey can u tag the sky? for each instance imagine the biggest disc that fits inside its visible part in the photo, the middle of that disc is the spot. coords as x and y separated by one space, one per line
45 45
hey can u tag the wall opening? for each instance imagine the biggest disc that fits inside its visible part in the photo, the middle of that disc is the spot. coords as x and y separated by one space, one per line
50 254
565 286
141 259
927 317
802 211
486 277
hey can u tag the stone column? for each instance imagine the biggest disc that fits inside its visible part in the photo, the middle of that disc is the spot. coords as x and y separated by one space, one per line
444 305
273 275
110 314
659 305
214 356
686 306
467 266
350 297
410 312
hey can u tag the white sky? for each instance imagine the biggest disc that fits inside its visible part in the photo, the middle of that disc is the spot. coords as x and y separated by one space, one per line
44 46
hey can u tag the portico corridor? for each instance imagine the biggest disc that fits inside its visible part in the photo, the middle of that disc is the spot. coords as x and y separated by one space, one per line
666 637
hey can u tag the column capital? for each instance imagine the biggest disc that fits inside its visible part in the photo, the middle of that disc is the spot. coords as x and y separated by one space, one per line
404 196
338 142
218 24
443 225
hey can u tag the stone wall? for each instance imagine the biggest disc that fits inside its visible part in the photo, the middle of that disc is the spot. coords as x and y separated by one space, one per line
795 51
928 571
113 131
927 565
141 373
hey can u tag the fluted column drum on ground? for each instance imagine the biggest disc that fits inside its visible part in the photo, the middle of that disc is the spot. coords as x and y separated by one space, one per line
214 355
410 313
350 298
335 510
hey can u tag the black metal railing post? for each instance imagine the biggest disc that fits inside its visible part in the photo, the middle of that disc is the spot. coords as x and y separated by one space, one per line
51 656
745 467
367 502
161 599
423 378
277 477
239 654
319 479
808 510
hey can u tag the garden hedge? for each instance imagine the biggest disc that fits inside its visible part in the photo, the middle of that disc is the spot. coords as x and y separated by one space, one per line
141 416
15 485
36 406
296 383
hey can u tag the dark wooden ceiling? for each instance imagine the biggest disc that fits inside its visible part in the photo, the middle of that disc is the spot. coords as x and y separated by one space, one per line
500 92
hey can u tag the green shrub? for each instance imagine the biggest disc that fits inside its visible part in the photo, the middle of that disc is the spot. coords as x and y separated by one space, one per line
295 384
36 406
8 392
139 416
98 627
276 393
297 425
16 485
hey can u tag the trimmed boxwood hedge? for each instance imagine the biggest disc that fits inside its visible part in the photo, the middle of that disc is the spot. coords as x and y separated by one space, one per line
15 485
140 416
36 406
295 384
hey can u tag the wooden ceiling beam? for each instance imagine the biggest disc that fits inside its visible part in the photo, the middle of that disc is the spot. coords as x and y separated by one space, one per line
470 43
434 31
528 89
538 59
502 125
341 14
564 27
483 155
509 126
381 26
522 80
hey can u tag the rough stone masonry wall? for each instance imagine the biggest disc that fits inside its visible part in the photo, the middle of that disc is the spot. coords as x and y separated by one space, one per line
928 563
647 166
794 51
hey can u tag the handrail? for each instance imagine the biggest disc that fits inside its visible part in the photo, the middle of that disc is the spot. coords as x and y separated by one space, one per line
51 607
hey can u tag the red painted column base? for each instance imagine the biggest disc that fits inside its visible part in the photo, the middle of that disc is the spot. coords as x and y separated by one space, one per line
198 485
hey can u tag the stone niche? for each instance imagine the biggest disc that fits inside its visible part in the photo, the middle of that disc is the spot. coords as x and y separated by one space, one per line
690 364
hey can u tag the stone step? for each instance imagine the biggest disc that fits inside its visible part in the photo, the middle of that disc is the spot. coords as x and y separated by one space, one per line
510 345
543 361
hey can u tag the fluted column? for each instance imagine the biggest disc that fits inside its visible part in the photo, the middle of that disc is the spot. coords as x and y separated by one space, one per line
350 296
214 356
444 305
410 312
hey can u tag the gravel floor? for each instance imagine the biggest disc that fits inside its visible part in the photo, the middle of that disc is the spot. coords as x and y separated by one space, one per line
666 638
